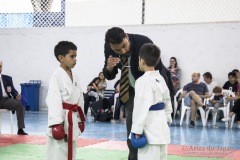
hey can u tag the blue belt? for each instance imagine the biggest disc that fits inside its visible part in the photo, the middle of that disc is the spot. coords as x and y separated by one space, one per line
158 106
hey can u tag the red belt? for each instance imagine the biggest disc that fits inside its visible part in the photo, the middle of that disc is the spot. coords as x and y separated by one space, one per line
72 108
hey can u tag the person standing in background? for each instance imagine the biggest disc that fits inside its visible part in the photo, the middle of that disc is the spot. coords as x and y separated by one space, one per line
175 72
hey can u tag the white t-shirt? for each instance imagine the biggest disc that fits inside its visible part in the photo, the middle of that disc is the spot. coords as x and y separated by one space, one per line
211 86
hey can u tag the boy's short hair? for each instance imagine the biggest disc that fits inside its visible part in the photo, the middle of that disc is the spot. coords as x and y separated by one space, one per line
150 53
115 35
233 74
208 75
63 48
217 89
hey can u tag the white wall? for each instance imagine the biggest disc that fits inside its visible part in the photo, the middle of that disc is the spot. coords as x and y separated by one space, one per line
27 54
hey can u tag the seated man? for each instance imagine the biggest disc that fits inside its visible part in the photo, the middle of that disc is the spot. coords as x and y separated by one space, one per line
11 100
193 94
209 82
232 83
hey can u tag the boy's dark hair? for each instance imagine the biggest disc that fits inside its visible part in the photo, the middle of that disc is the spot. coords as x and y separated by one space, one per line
63 48
217 89
208 75
150 53
115 35
233 74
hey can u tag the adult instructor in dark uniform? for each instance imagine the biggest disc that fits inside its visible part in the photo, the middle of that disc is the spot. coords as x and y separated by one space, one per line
121 52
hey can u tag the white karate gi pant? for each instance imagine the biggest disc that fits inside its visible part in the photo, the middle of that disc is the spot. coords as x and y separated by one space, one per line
153 152
58 149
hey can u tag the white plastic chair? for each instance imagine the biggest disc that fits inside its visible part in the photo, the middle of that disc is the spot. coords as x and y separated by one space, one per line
11 119
232 121
185 108
115 101
175 103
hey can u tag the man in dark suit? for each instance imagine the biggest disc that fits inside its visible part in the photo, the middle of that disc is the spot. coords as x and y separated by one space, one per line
122 52
11 100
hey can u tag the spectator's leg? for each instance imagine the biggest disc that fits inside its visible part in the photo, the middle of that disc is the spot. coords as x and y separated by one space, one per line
15 105
87 99
196 98
236 110
193 110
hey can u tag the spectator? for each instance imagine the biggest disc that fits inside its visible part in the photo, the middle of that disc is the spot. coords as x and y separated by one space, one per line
92 89
10 99
209 82
232 83
193 94
175 73
235 110
101 85
217 100
237 93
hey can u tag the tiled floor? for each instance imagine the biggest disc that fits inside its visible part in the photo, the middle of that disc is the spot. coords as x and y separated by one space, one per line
36 124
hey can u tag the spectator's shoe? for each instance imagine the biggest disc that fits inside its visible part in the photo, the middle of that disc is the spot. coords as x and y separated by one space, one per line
21 132
115 121
124 120
192 124
13 112
226 119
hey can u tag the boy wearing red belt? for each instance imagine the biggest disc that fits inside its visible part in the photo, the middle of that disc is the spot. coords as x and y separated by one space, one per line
65 104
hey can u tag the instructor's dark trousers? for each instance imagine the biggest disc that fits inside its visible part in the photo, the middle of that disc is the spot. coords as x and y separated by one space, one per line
129 110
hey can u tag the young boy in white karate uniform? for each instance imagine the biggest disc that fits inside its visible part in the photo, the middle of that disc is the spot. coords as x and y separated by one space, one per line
152 107
65 104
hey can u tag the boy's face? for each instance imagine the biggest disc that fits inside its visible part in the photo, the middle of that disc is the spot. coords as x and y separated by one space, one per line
69 60
232 79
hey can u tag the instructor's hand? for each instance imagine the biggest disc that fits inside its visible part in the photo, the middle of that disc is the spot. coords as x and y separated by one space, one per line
112 62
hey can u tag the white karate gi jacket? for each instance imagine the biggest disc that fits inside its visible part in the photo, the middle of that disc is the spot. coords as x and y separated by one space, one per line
63 89
151 89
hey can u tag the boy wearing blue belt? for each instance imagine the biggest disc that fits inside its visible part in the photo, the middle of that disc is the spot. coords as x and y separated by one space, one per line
152 108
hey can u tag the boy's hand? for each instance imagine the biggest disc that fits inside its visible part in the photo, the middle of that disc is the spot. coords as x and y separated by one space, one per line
58 132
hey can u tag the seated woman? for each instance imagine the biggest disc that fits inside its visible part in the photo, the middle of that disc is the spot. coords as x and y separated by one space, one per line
101 86
92 88
175 73
98 86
